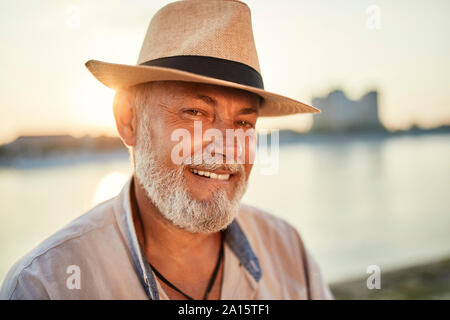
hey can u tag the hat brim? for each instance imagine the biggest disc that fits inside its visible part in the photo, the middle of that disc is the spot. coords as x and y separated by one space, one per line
120 76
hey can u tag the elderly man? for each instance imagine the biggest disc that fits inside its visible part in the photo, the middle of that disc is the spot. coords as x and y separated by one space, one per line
177 229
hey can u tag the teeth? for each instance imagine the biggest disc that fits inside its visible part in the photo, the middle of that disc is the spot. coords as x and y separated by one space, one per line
211 175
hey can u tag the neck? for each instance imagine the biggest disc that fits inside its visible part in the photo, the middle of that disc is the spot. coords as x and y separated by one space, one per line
163 242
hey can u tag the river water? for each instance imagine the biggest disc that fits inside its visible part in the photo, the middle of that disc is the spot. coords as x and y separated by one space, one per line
355 201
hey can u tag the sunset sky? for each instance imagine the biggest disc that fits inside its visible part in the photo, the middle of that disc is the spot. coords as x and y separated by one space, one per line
306 49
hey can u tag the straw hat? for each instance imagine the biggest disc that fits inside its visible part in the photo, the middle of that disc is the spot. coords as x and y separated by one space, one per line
204 41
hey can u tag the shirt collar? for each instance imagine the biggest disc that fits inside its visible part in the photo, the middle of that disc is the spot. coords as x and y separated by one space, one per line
234 238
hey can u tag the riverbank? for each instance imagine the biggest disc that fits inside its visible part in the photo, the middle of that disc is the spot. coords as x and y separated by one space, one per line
428 281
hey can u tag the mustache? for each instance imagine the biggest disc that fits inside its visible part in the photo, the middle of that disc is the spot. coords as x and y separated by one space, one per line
208 162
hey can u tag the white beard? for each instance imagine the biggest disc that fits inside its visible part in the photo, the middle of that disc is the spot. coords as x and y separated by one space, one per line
166 188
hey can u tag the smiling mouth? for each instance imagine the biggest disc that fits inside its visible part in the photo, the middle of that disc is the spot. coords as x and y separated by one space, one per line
211 175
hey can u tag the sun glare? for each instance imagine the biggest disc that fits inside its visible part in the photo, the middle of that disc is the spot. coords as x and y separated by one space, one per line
109 186
95 106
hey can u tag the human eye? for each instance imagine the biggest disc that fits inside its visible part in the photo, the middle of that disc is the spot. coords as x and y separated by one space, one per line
192 112
245 124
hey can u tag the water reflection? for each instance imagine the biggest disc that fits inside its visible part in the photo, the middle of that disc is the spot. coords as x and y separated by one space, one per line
355 202
109 186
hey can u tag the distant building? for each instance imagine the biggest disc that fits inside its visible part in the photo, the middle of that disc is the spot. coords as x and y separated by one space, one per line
340 114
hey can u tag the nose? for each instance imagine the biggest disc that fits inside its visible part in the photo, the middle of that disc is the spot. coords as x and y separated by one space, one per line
227 146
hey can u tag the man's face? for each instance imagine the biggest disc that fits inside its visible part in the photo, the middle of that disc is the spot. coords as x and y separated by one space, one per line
213 187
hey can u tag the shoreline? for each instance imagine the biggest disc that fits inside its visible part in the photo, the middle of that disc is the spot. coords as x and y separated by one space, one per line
423 282
57 155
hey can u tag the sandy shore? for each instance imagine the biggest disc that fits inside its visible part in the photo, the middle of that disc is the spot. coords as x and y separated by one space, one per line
429 281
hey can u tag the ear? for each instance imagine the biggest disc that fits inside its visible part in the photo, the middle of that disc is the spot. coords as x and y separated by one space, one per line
125 116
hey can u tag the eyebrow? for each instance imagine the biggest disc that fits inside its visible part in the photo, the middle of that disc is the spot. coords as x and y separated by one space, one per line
207 99
248 110
212 102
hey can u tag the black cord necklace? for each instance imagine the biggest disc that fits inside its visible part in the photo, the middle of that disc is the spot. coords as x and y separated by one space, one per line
211 282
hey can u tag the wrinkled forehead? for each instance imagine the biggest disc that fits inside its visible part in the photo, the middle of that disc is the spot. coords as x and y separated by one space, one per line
173 91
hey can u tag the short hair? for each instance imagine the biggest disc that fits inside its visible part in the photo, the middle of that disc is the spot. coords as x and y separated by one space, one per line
139 96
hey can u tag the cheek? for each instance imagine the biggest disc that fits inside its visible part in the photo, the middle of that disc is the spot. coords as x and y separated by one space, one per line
161 143
248 168
175 145
250 152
